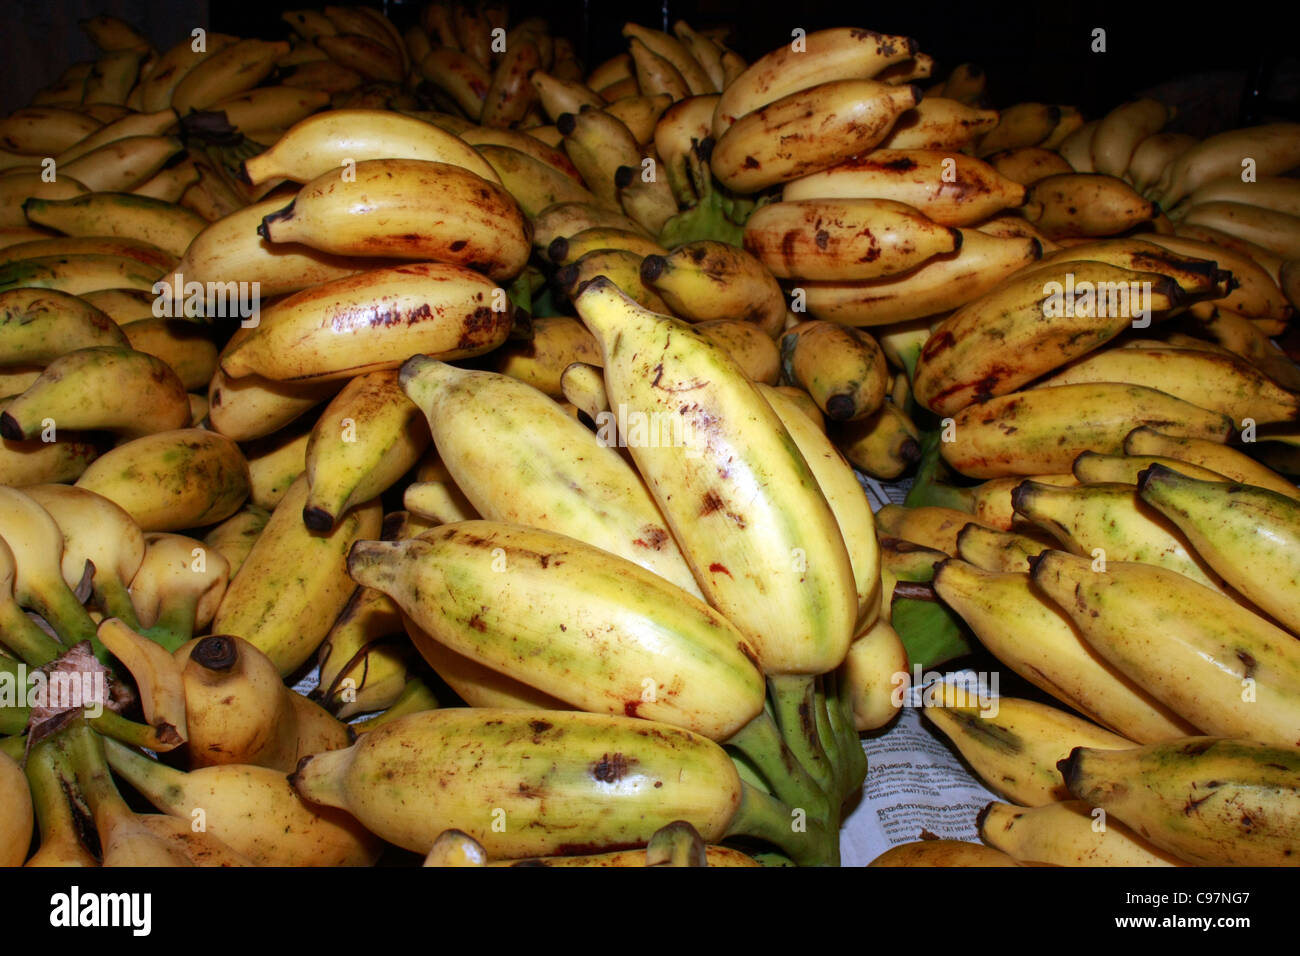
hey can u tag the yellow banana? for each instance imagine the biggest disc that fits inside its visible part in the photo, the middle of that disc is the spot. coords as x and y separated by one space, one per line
1029 634
1092 468
1227 461
1256 294
807 131
45 130
374 321
1278 232
598 143
751 347
565 219
817 58
364 441
274 464
703 51
732 540
940 285
669 48
1043 430
939 123
1085 204
997 551
916 177
234 537
1121 130
156 89
1153 154
172 480
842 368
707 280
1027 164
567 249
112 76
162 224
225 73
1218 665
1024 124
559 96
509 96
533 184
683 126
17 827
480 225
619 266
884 444
1274 148
458 75
557 342
942 853
1066 833
991 501
39 325
1211 801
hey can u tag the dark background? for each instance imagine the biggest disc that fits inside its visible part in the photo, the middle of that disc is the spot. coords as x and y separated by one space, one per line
1201 58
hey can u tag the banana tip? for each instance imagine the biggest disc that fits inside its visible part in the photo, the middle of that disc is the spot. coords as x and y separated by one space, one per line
1069 769
558 250
9 428
566 123
216 652
317 518
652 268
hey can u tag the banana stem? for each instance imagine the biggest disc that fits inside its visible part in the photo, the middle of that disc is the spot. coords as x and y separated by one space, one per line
117 727
53 786
793 696
841 713
830 741
85 750
760 741
804 840
748 772
58 605
151 778
115 601
175 624
24 637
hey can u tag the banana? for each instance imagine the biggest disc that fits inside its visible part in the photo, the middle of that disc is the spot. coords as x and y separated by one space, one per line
45 130
253 809
645 198
664 636
708 280
479 136
17 827
458 75
374 321
153 124
727 540
942 853
162 224
696 783
157 88
99 531
933 526
1196 276
657 75
111 78
640 114
1030 325
564 250
123 164
37 546
78 272
1230 462
22 188
1274 149
940 285
509 96
172 480
1228 524
1278 232
234 537
324 75
368 436
533 184
559 96
112 388
817 58
147 255
845 496
1270 262
1026 165
362 21
939 123
991 501
39 325
253 407
1152 155
1076 148
884 444
186 348
749 345
52 781
1121 130
1011 226
842 368
370 59
1085 204
683 126
1066 834
997 551
294 582
157 678
1210 801
566 219
1071 120
323 143
1015 746
619 266
271 107
35 462
808 131
617 67
1110 518
704 51
1091 468
274 464
1024 124
1043 430
1223 383
916 177
229 252
111 34
557 342
1029 634
1196 658
1255 296
583 386
226 73
872 672
1278 193
666 47
598 143
600 502
479 223
844 239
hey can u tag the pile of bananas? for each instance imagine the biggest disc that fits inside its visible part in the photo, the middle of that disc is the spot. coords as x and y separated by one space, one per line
379 355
